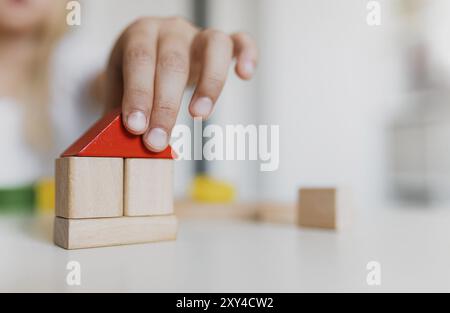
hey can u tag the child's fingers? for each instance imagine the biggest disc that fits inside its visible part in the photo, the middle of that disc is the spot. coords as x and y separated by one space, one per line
216 57
246 54
172 72
138 68
152 63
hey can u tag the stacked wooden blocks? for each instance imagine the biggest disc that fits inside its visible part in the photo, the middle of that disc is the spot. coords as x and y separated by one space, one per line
110 190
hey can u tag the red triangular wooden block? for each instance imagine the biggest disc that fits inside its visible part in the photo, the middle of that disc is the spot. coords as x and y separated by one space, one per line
109 138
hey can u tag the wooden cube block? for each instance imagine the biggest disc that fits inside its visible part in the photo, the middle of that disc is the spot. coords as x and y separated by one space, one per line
89 187
148 188
323 208
101 232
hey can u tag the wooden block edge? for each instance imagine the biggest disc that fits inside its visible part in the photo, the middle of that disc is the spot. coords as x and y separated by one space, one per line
61 233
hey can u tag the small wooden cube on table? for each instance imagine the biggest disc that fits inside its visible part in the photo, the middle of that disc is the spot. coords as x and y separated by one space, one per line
326 208
111 190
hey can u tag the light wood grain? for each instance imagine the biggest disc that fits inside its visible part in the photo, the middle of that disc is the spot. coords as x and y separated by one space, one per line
278 213
317 208
89 187
148 188
188 209
101 232
329 208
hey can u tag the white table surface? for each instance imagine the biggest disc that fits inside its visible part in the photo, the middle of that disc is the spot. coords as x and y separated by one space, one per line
412 246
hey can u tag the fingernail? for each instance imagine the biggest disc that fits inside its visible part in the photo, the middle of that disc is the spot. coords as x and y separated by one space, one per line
248 67
202 107
157 138
137 121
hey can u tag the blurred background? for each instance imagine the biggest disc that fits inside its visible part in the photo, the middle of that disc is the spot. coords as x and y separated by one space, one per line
363 106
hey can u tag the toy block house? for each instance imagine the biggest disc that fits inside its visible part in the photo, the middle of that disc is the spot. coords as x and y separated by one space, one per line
111 190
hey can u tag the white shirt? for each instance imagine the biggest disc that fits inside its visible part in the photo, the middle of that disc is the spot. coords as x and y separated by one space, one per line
73 67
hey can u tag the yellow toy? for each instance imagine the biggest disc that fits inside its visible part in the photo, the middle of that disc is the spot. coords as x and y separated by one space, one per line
209 190
45 195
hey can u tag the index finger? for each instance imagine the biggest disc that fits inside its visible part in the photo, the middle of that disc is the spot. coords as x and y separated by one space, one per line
139 57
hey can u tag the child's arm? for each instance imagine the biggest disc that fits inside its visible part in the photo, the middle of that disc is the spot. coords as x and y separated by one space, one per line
154 60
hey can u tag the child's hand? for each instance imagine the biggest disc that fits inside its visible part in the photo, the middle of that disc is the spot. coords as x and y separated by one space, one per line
154 60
